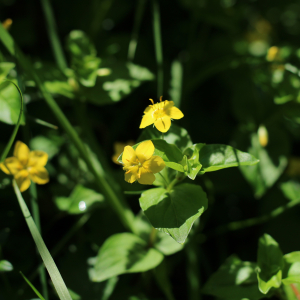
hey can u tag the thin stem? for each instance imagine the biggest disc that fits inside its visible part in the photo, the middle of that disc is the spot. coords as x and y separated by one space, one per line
152 237
118 203
41 122
136 27
134 192
13 135
295 290
255 221
163 177
36 217
52 32
158 47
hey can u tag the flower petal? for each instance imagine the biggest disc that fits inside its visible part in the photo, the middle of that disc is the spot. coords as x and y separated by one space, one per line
128 156
132 175
39 175
22 179
154 165
21 152
163 124
37 158
148 109
146 177
147 120
175 113
144 151
11 166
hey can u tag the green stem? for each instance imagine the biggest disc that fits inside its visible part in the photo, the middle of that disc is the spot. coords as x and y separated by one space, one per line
15 131
136 27
52 32
255 221
36 218
152 237
165 180
175 181
158 47
118 204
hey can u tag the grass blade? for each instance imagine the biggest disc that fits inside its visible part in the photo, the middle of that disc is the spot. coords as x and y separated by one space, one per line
57 280
176 82
33 288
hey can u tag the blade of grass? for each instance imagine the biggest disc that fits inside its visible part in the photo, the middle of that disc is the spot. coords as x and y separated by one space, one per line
158 47
57 280
176 82
136 27
118 203
15 131
52 32
33 288
41 122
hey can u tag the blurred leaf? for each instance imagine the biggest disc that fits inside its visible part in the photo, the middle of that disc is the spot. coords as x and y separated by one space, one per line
110 287
123 253
270 264
5 266
120 82
234 280
74 295
10 104
5 68
176 135
217 157
291 271
174 212
291 190
176 82
272 162
289 293
83 58
80 201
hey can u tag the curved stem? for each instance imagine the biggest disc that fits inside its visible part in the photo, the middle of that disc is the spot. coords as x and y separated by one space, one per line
13 135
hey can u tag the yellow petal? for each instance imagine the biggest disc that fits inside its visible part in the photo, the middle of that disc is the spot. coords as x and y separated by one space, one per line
11 166
147 120
175 113
163 124
39 175
146 177
132 175
128 156
21 152
154 165
37 158
148 109
144 151
22 179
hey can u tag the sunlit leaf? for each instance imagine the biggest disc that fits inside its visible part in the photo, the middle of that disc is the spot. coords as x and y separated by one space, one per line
5 266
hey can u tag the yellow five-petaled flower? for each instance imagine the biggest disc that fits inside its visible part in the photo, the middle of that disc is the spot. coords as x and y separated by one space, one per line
161 114
26 165
141 164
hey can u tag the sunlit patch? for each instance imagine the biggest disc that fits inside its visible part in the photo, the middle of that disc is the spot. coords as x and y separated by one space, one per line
82 206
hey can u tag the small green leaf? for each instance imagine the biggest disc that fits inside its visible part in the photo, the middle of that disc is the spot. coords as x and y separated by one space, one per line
234 280
175 212
10 104
291 271
124 253
5 68
270 264
5 266
217 157
291 190
80 201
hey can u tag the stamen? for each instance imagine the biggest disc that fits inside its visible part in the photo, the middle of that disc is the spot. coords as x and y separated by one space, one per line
127 172
151 101
160 98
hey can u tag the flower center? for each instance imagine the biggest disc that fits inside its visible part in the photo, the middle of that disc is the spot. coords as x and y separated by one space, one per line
159 113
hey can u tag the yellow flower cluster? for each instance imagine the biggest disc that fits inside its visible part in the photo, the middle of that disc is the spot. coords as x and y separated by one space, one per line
26 165
140 164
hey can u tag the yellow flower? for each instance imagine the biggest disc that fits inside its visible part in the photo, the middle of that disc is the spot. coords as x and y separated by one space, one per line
161 114
140 164
26 165
119 147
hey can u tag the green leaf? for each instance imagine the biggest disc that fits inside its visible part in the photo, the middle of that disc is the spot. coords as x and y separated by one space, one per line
291 190
234 280
289 292
5 266
174 212
270 264
175 135
10 104
195 166
5 68
217 157
291 271
80 201
124 253
83 58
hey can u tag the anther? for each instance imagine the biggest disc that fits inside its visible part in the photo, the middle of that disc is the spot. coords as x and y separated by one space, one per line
160 98
151 101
